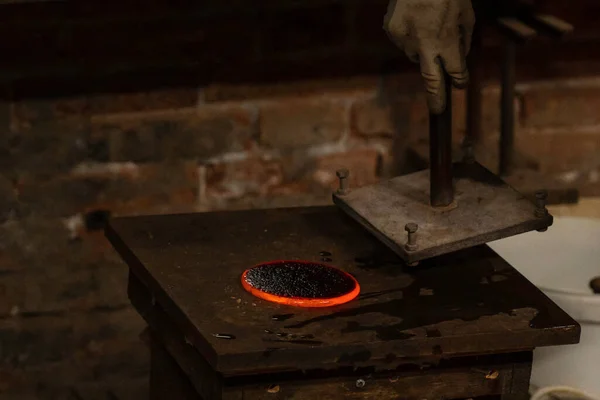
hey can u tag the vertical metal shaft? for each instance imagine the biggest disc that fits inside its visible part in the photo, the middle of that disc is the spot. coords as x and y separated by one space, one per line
507 109
440 152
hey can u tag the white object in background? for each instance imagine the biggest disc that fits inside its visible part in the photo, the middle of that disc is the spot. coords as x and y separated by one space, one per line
560 392
561 262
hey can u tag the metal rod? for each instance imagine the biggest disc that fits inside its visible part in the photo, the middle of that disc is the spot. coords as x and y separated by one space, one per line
507 109
440 152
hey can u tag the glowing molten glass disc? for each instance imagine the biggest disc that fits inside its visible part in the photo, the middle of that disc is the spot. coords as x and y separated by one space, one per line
300 283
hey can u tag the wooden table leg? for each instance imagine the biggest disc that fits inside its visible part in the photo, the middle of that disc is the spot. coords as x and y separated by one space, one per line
519 389
167 380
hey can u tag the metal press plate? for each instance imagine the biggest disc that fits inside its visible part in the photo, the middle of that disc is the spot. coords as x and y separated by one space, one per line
485 209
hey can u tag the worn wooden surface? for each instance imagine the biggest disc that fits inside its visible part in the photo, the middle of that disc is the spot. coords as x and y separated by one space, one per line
167 380
205 380
465 303
177 369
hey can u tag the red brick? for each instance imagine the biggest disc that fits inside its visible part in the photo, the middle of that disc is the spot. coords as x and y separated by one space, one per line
589 189
37 243
154 187
561 106
419 117
109 170
459 112
165 99
391 152
381 117
291 188
61 196
8 262
53 291
133 140
363 165
172 135
254 176
289 124
9 207
490 111
181 200
55 274
84 341
562 150
490 115
94 247
52 146
9 378
389 112
150 185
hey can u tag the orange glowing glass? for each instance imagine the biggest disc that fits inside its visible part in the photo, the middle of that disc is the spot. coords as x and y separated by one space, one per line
351 288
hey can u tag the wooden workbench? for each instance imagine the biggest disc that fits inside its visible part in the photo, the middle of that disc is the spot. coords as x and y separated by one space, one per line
458 326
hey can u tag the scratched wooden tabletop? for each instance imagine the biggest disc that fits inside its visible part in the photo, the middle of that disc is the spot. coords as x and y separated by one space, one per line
464 303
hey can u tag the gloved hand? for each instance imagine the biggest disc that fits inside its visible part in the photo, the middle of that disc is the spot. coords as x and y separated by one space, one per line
436 34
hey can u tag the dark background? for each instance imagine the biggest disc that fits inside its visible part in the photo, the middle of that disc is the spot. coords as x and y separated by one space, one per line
158 107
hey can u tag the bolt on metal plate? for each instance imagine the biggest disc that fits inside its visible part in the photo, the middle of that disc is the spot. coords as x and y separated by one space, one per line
486 209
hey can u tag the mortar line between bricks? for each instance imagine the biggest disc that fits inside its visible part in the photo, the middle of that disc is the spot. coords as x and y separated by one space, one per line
328 95
146 115
558 84
200 109
554 85
561 130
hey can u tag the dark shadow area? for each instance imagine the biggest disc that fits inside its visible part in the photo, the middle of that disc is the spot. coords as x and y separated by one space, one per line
111 109
60 48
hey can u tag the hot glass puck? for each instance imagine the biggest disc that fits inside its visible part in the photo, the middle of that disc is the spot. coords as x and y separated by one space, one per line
300 283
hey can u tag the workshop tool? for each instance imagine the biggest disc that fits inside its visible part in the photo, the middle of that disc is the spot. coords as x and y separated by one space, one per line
452 206
517 31
478 207
462 325
517 28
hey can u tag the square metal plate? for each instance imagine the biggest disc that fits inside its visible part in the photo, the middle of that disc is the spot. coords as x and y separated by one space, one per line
486 209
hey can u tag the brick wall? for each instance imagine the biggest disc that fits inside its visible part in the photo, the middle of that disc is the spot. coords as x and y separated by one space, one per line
178 118
214 146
